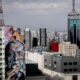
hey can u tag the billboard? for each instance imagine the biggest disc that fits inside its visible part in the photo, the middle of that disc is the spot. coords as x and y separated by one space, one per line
14 54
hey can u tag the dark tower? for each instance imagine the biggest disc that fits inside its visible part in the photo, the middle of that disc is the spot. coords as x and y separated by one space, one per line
35 42
74 26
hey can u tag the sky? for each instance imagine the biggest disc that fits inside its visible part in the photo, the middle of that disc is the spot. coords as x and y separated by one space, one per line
34 14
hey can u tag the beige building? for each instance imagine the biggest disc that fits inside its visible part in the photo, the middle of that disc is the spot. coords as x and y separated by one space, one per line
68 49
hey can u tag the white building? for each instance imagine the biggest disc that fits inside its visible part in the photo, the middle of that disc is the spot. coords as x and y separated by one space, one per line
68 49
2 54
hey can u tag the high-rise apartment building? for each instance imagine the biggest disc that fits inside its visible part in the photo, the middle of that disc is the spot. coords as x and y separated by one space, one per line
74 26
68 49
2 54
2 47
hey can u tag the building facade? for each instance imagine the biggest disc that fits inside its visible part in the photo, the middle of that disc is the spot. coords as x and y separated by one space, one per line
68 49
2 54
28 39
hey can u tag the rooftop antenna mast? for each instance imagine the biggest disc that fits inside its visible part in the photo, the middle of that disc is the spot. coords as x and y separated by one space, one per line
73 5
1 15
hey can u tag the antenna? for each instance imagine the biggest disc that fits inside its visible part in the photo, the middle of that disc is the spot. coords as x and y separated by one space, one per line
73 5
1 15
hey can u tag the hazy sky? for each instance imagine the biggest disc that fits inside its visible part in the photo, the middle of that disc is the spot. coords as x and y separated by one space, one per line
51 14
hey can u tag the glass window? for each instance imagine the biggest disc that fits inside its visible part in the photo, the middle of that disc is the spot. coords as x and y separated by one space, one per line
74 69
70 69
75 63
70 63
55 62
65 70
65 63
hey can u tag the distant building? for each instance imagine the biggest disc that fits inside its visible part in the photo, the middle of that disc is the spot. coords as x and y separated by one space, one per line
43 37
63 37
54 46
68 49
28 39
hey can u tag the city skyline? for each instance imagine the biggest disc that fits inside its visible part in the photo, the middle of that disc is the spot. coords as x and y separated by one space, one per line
38 13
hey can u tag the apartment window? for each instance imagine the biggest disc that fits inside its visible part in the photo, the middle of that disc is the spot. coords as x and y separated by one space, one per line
70 70
45 65
0 54
0 68
0 59
0 48
74 77
0 73
0 44
65 63
65 70
0 39
0 64
55 62
75 63
74 69
70 63
45 60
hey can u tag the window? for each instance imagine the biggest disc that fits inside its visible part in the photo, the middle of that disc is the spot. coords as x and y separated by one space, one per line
45 60
0 44
0 59
74 69
0 64
65 63
55 62
0 54
70 63
75 63
70 69
65 70
0 48
0 39
0 73
74 77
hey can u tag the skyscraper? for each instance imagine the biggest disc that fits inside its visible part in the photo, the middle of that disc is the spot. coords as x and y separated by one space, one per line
74 26
43 37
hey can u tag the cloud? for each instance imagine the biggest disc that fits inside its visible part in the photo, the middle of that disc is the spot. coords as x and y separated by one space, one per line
34 13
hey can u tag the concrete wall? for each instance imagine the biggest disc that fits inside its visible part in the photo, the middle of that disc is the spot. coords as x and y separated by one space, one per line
36 57
36 78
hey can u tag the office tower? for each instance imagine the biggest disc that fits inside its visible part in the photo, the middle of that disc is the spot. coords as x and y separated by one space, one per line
35 42
74 26
43 37
28 40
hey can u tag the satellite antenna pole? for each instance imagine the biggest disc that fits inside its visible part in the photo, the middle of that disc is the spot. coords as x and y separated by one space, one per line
1 15
73 5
